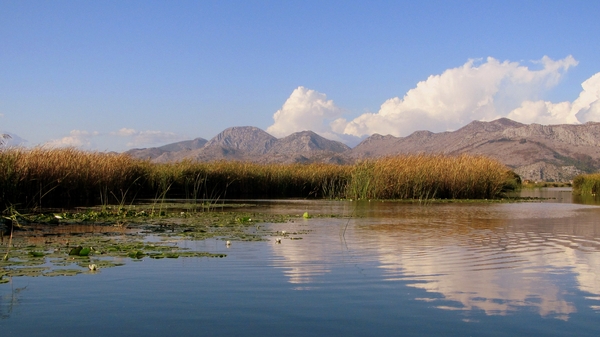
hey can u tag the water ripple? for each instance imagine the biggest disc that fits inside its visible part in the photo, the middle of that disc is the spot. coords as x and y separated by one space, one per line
495 258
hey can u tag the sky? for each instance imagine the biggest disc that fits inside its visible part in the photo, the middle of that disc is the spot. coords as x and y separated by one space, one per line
115 75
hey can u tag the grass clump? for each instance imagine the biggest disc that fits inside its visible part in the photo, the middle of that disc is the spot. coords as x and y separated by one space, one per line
586 184
545 184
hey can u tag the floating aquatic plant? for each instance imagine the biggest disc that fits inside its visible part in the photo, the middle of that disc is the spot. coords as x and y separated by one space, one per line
77 242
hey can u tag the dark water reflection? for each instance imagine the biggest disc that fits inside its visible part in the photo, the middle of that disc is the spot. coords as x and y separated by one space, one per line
375 268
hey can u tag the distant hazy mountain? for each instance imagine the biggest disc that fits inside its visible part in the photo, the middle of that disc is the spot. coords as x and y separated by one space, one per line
155 152
536 152
9 139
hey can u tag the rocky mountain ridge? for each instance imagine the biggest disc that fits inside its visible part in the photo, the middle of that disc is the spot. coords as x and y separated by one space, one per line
248 143
536 152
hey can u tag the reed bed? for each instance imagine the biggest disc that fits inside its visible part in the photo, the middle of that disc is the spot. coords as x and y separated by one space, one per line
431 176
42 177
31 176
587 184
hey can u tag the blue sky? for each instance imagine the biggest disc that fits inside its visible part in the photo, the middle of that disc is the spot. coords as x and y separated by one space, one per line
112 75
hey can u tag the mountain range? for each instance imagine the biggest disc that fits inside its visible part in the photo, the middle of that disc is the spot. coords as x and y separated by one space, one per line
536 152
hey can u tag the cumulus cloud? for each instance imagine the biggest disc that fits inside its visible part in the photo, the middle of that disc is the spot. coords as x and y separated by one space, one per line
587 106
475 91
146 138
305 109
543 112
76 138
125 132
478 90
130 137
584 109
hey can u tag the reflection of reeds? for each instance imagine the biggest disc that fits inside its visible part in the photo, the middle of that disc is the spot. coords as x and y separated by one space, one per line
587 184
33 176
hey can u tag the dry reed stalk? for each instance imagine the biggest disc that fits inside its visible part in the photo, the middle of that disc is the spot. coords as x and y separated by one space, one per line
30 175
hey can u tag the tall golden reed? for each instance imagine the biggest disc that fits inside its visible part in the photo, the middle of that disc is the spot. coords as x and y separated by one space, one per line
429 176
40 176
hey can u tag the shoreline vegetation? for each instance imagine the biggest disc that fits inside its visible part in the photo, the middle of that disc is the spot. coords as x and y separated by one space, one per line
587 184
41 177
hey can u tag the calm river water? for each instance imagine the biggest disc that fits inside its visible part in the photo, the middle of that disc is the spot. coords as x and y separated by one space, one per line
377 269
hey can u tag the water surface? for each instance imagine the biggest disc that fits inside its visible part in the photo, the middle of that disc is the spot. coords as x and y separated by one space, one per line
374 268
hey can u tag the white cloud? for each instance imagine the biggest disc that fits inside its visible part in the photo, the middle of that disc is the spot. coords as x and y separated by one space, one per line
474 91
124 132
76 138
89 140
587 106
305 109
478 90
147 138
584 109
543 112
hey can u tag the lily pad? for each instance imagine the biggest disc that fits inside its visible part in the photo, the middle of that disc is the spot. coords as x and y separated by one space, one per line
107 246
34 261
136 254
75 250
84 252
62 272
32 271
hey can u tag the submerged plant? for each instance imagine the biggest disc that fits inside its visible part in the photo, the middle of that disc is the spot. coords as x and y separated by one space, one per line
12 217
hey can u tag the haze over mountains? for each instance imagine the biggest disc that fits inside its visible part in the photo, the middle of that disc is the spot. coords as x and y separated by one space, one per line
536 152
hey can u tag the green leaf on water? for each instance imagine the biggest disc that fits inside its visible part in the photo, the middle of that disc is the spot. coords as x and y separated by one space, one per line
62 272
36 254
84 252
243 219
75 250
29 271
136 254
